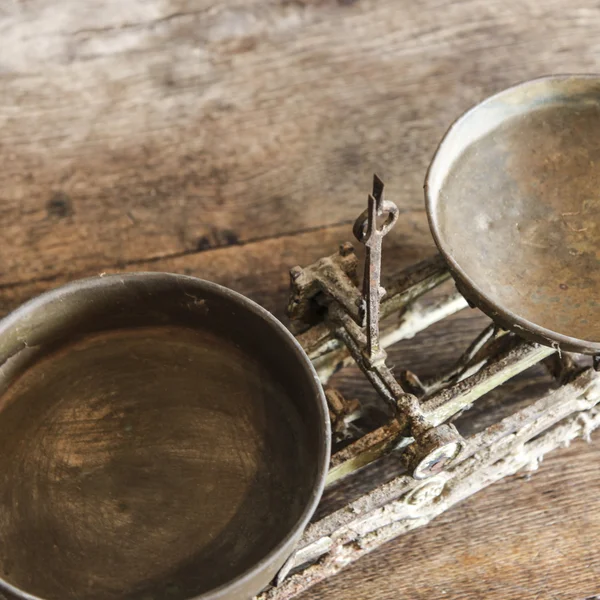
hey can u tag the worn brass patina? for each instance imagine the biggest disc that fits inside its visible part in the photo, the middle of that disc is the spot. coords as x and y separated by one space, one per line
513 198
160 437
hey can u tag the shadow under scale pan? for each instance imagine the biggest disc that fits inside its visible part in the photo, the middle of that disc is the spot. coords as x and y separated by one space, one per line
156 461
513 199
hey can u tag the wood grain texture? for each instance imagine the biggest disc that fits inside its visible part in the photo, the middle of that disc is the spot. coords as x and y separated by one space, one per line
233 139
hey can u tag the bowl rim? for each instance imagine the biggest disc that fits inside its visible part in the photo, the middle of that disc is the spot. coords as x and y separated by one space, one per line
243 582
496 311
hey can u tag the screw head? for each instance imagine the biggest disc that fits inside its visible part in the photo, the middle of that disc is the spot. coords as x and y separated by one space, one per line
434 450
436 461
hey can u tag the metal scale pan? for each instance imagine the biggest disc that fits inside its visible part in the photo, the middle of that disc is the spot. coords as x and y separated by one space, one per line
513 201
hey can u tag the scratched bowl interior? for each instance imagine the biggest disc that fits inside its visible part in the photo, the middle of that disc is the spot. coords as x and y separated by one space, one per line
157 440
513 199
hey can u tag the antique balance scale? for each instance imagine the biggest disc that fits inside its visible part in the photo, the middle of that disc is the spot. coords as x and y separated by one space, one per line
513 204
164 437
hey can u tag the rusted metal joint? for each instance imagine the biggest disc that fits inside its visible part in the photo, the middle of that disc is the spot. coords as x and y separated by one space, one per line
434 448
332 277
342 413
433 451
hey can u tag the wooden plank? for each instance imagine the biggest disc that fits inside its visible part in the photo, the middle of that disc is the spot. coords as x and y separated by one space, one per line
246 120
257 269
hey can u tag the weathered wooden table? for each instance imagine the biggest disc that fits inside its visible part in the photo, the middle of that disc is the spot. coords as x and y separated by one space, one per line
231 140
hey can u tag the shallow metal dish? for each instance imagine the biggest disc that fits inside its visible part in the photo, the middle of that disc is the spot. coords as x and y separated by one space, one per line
161 437
513 200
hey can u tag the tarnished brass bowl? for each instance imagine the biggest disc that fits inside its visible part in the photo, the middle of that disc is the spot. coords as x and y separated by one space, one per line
161 437
513 200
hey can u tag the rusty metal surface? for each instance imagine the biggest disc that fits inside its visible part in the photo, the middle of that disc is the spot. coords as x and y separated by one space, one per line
328 291
147 428
518 442
434 465
368 232
514 205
